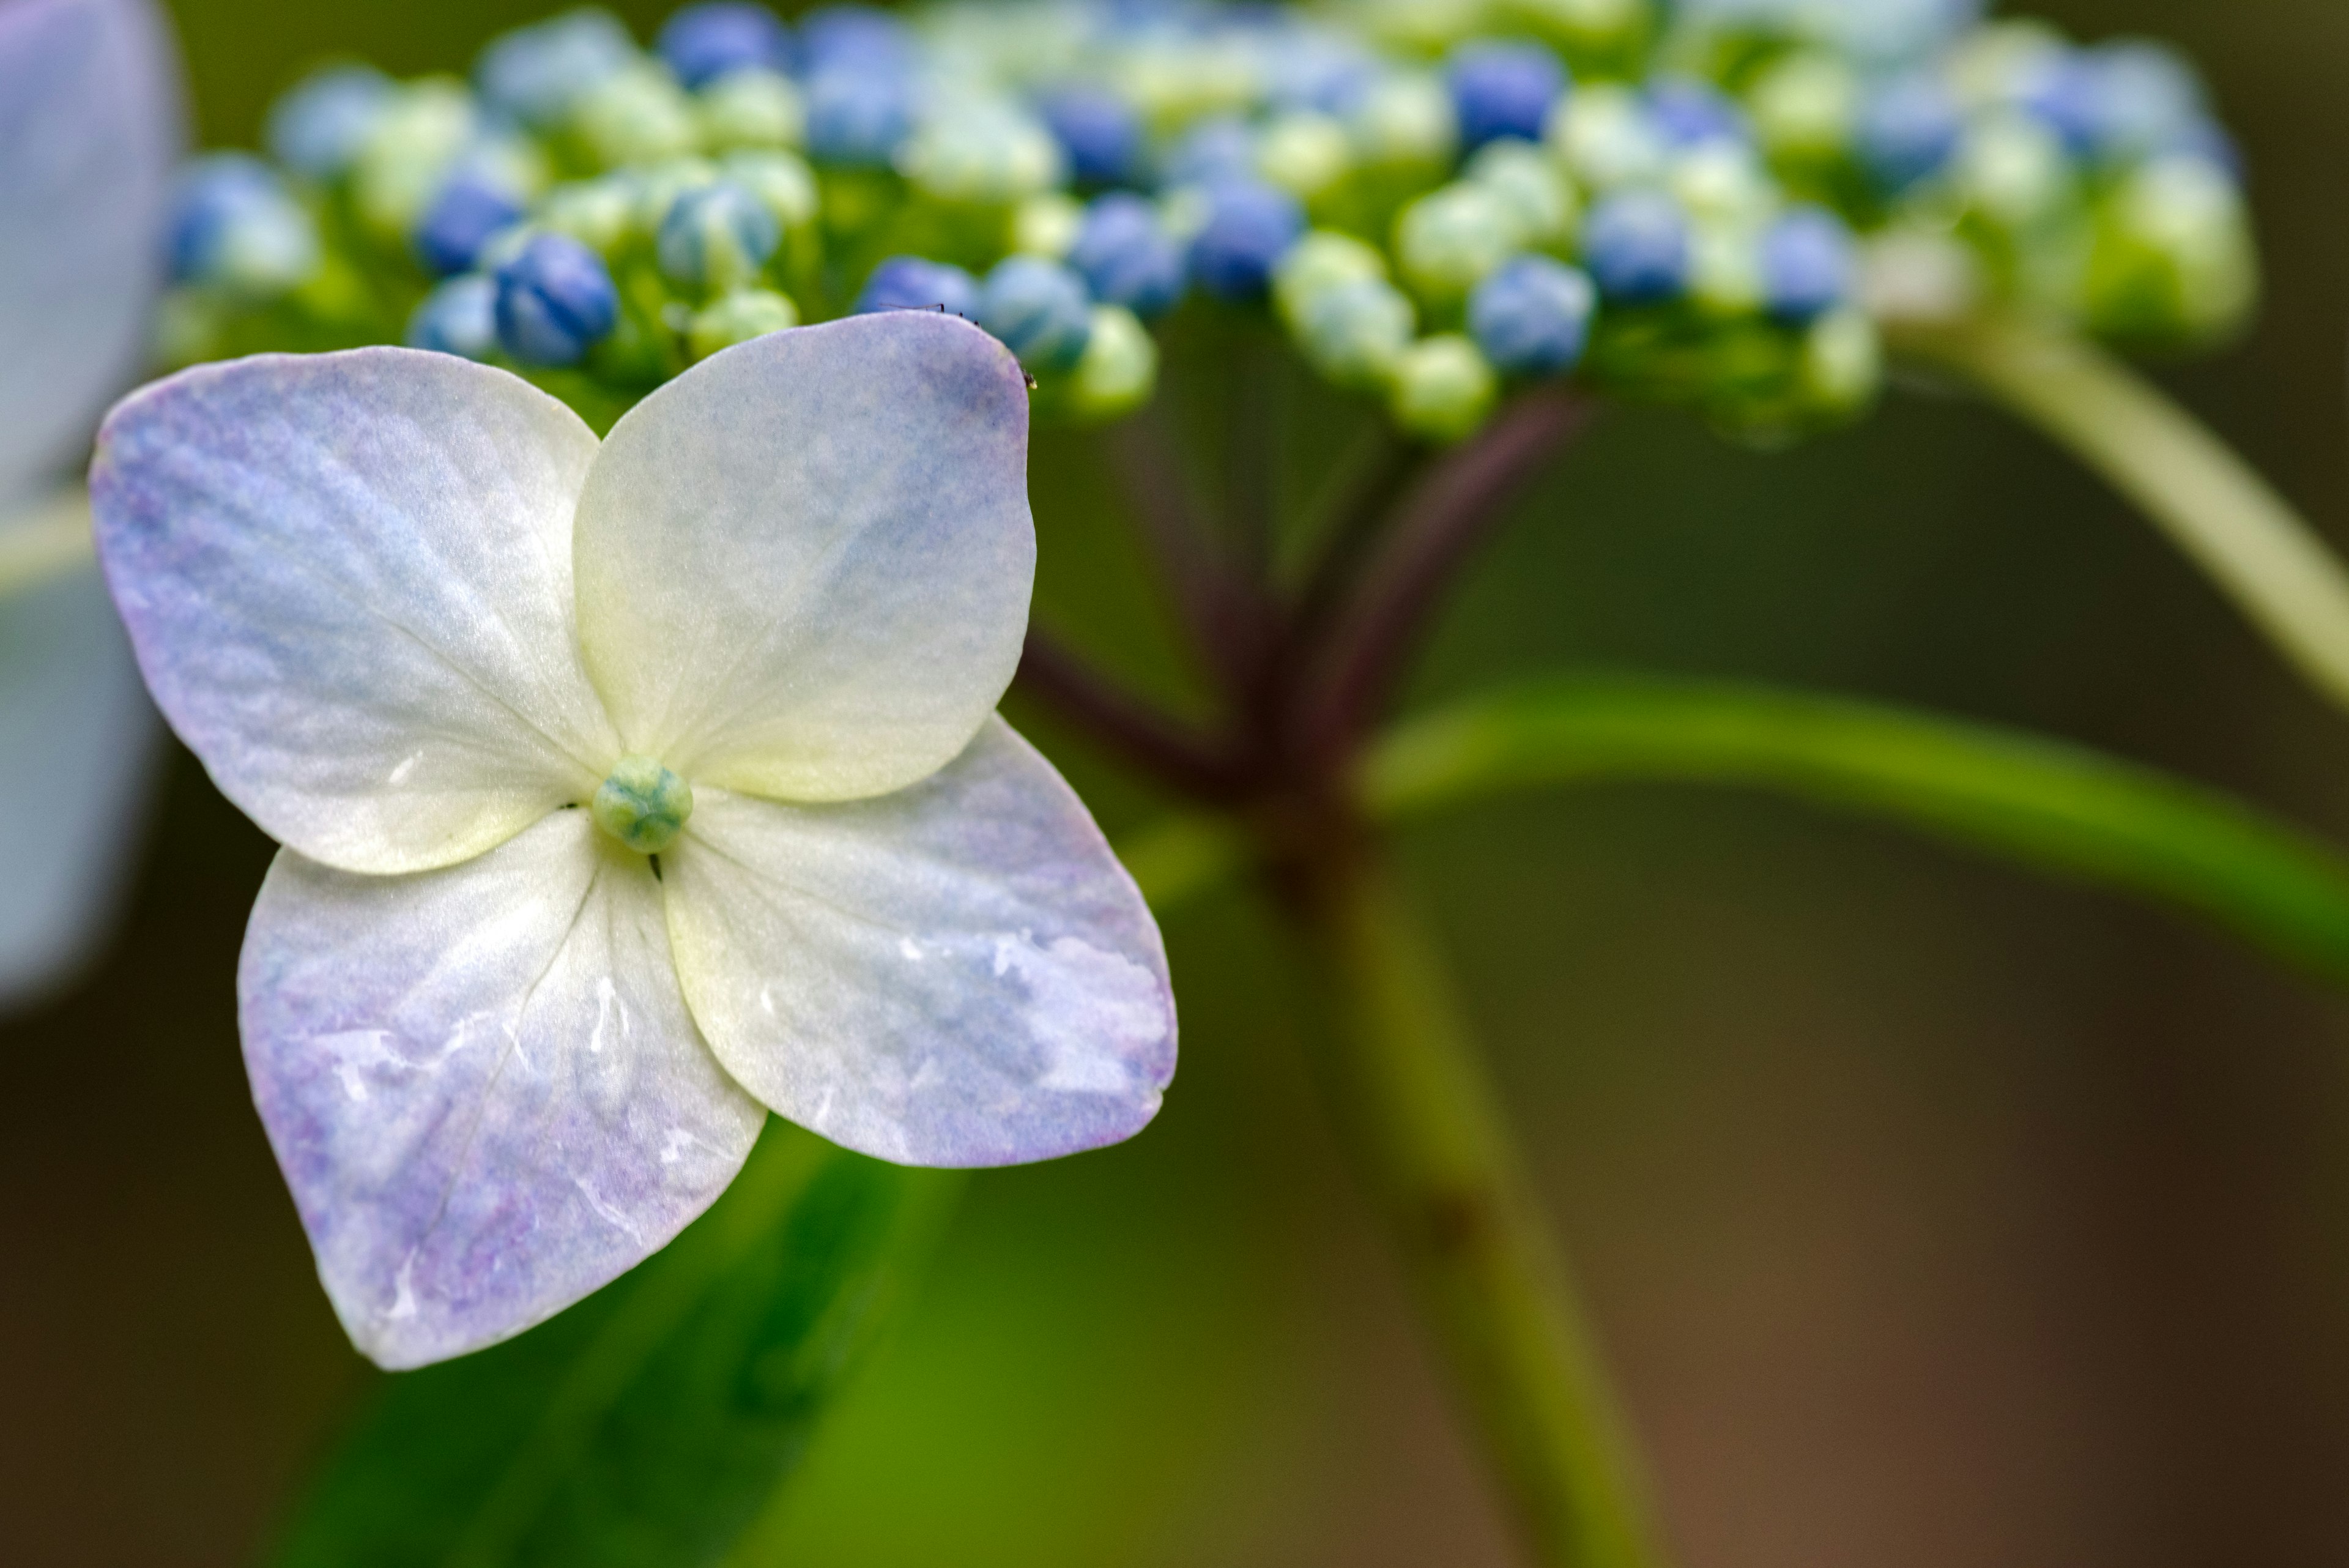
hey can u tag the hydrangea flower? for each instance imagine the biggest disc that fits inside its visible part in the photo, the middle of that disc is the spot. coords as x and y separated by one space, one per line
629 790
89 125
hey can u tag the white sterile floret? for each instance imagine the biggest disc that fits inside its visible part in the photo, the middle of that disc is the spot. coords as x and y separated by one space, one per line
629 790
89 126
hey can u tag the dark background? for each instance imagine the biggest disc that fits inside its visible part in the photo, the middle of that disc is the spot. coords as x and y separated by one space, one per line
1934 1215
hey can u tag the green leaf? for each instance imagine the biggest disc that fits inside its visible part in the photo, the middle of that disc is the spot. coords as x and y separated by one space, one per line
649 1423
2048 805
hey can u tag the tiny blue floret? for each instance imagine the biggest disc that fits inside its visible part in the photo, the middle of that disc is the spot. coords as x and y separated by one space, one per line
1249 227
555 301
2140 99
1532 317
1807 264
916 282
470 208
857 116
1100 132
1503 90
458 317
862 37
702 43
317 128
1908 129
1636 245
1040 309
1687 112
535 74
1127 257
1217 149
716 236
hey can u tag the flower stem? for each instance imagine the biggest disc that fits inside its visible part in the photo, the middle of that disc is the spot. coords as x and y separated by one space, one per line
1429 1142
2260 552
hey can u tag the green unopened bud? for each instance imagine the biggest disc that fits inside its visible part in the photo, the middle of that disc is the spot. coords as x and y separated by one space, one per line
1443 389
1530 185
407 152
985 154
1920 277
596 212
1804 105
1577 25
2012 170
1404 121
1305 154
1324 259
781 180
635 116
1423 27
1725 269
1120 366
2173 255
642 805
1601 135
1047 225
1449 241
655 189
1722 181
1356 333
751 107
1843 362
738 317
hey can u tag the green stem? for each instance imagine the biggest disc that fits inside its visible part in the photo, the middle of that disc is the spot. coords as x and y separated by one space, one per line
1430 1142
2260 552
49 542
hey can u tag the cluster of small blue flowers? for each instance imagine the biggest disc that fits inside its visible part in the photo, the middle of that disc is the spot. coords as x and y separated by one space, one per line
1721 204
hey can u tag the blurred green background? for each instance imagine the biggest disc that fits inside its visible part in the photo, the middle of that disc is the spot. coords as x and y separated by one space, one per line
1934 1216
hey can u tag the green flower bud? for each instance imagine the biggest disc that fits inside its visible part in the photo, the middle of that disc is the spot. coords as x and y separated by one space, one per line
986 153
751 107
1443 389
1577 26
738 317
1120 366
2013 171
1804 106
1725 269
1422 26
781 180
1047 225
1356 333
406 154
1448 242
1305 154
642 805
1323 260
635 116
2173 253
1529 183
1843 362
1723 183
596 212
1405 121
655 189
1601 135
1919 276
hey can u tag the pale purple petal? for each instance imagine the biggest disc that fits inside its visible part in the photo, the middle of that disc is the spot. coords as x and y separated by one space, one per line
89 126
482 1083
804 563
347 577
961 973
81 744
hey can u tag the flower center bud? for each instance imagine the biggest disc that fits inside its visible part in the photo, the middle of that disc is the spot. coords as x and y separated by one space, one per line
642 805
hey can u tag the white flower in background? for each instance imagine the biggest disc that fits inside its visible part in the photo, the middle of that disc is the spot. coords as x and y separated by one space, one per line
89 126
629 790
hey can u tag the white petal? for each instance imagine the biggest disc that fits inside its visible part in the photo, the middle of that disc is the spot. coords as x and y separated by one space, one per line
482 1083
961 973
80 744
89 125
804 563
348 580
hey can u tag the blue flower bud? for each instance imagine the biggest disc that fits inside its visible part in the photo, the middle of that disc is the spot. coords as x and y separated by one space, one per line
1685 112
858 38
1127 257
235 227
702 43
1040 309
1908 129
1503 90
317 128
916 282
1249 227
1807 265
535 74
555 301
458 317
1636 245
1099 130
857 117
716 236
459 221
1532 317
2126 100
1217 149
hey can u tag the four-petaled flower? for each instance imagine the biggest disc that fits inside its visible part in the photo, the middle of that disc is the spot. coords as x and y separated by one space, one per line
628 790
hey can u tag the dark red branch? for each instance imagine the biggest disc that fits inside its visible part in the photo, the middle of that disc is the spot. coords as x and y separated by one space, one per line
1122 725
1452 510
